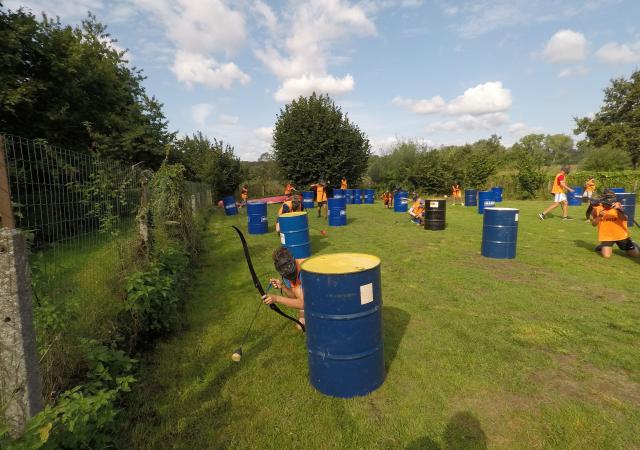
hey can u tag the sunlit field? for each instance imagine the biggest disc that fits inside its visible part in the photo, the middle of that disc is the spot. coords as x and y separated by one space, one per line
537 352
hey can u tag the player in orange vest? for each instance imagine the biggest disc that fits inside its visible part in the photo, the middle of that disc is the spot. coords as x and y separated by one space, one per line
293 205
288 189
417 212
343 183
559 197
244 194
320 189
289 269
611 221
456 193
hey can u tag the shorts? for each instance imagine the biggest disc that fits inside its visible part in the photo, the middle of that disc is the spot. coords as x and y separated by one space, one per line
625 244
559 198
587 194
321 204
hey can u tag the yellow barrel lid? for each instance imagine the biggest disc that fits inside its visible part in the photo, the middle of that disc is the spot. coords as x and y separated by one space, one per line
340 263
294 214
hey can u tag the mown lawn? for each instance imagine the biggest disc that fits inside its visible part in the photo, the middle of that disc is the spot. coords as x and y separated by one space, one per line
537 352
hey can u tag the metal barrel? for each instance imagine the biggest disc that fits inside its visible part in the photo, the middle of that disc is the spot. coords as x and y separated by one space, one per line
294 233
628 202
369 196
343 313
338 193
349 196
257 216
229 203
485 200
357 196
307 199
435 214
337 212
497 193
499 233
575 197
618 190
400 201
470 197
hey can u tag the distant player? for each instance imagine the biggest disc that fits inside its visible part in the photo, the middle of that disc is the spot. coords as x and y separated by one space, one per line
343 183
293 205
456 193
417 212
289 188
559 197
320 189
244 194
611 221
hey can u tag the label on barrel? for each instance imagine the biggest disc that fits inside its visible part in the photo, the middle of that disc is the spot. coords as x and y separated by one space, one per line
516 219
230 205
282 239
489 203
366 294
343 212
433 204
263 219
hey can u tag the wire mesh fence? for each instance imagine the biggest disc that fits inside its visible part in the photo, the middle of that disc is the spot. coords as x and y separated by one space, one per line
78 212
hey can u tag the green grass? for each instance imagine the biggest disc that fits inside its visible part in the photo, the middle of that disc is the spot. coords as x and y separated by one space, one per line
537 352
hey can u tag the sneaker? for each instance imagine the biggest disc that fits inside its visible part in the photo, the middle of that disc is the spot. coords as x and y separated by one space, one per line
567 218
598 248
541 216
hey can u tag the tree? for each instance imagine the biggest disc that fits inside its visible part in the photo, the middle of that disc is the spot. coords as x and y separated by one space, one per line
313 139
617 124
605 159
71 87
559 149
529 156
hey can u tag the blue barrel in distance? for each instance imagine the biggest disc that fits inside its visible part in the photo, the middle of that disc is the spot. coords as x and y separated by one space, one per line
500 233
357 196
343 313
401 201
628 201
349 196
338 193
618 190
337 212
369 196
470 197
257 215
485 200
294 233
229 203
497 193
307 199
575 197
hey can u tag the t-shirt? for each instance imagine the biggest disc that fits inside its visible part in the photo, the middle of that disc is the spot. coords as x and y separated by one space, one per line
343 184
590 186
612 226
557 187
245 193
321 195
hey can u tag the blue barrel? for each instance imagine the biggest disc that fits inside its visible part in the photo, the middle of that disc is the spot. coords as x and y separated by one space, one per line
470 197
628 201
497 193
500 233
294 233
257 214
400 201
307 199
343 313
618 190
369 196
575 197
229 203
485 200
357 196
337 212
338 193
348 193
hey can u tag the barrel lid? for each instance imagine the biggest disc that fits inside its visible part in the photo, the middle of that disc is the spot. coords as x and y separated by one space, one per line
294 214
501 209
340 263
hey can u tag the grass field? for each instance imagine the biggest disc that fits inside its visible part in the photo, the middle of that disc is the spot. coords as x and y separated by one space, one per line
537 352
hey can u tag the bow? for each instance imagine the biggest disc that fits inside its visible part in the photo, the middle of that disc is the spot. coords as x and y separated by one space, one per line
256 281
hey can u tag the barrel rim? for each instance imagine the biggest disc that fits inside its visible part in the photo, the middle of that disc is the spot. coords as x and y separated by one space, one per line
376 263
294 214
500 208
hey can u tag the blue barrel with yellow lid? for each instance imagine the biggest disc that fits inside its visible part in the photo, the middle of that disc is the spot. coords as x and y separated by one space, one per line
343 314
294 233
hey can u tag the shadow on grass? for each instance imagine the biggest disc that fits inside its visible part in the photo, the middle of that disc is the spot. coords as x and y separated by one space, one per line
350 220
463 432
586 245
319 242
395 321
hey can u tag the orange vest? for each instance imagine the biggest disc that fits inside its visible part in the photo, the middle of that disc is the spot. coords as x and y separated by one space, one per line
612 227
321 195
590 186
245 193
557 188
343 184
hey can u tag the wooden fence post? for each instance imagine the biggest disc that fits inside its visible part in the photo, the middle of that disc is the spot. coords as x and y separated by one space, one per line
20 383
144 219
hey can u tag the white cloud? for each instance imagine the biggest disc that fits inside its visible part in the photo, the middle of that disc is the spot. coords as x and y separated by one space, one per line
490 121
614 53
520 129
191 68
265 134
484 98
306 84
266 16
200 113
424 106
573 71
225 119
300 58
565 46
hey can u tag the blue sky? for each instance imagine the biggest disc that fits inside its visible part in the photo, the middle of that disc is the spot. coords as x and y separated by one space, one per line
442 72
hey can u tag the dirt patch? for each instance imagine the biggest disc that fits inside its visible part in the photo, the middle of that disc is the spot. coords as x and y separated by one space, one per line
506 269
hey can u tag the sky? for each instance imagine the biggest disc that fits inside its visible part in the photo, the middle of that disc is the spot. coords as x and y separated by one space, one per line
438 72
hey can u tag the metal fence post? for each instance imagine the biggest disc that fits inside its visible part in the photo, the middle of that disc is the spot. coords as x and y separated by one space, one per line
20 384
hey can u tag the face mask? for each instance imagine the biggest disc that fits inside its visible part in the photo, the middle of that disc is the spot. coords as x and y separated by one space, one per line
287 268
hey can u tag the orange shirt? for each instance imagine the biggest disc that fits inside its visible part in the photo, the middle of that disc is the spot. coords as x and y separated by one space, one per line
612 226
244 193
557 187
288 189
321 195
590 186
343 183
456 190
418 211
